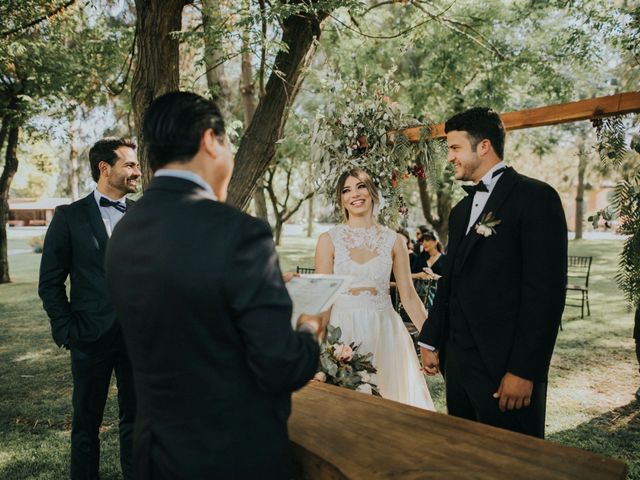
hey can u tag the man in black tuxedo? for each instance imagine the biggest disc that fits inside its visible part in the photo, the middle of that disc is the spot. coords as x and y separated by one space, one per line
498 306
204 311
85 323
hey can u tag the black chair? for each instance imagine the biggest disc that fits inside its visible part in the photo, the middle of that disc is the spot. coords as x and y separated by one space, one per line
578 272
305 270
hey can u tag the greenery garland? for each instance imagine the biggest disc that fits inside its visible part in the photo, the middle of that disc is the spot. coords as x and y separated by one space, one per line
351 132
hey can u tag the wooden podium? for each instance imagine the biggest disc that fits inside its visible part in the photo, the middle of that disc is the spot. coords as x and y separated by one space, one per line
341 434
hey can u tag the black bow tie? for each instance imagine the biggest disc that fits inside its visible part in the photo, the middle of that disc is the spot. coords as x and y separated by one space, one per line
481 186
105 202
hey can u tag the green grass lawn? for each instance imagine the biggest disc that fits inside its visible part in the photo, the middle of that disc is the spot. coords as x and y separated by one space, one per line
591 402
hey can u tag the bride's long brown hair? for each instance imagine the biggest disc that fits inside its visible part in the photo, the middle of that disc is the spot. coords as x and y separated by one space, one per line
365 178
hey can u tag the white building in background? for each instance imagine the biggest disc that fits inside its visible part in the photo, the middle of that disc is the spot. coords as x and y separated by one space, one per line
29 212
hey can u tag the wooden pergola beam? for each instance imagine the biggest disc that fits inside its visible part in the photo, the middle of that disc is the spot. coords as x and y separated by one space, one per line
589 109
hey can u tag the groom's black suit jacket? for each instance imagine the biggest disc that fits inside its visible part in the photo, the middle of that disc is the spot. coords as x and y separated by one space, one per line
206 320
75 246
504 294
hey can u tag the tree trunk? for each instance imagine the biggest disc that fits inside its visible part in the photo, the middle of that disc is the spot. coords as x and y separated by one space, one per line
247 89
156 69
443 208
278 231
260 203
310 209
257 147
247 94
11 130
213 55
74 179
582 166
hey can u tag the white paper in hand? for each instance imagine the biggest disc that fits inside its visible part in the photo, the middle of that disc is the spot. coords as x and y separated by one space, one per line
314 293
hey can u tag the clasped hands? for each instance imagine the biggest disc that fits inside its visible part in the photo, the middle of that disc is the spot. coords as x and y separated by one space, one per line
426 274
513 393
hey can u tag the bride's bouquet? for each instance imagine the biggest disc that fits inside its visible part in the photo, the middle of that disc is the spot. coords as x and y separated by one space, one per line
342 365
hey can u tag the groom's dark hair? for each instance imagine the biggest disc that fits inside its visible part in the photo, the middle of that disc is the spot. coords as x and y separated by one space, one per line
479 123
173 126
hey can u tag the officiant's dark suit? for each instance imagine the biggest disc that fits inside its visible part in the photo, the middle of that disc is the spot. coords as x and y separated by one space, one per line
214 355
85 322
500 300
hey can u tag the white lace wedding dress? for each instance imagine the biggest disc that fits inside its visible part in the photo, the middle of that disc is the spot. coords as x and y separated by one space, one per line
369 319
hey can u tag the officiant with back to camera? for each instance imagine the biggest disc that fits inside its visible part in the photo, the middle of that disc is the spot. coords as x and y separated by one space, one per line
207 320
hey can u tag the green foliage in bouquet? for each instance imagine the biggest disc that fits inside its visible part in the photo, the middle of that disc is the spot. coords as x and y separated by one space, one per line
342 365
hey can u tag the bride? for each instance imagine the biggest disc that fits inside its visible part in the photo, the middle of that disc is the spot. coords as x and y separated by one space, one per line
362 248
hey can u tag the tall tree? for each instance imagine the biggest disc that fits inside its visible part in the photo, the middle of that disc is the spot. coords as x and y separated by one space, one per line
217 82
156 71
47 54
300 30
468 54
10 130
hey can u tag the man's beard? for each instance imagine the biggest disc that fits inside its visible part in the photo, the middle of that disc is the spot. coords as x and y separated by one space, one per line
122 185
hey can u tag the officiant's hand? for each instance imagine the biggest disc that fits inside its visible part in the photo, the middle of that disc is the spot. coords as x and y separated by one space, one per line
317 322
287 276
514 392
430 361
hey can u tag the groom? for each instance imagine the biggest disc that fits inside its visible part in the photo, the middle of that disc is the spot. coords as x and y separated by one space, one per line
498 306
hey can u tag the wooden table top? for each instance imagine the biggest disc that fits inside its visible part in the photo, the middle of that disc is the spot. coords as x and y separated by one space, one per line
342 434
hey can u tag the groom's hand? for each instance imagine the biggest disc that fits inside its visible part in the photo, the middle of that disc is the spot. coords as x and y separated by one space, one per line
514 392
430 361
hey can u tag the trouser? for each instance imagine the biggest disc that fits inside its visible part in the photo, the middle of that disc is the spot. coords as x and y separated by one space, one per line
470 389
91 372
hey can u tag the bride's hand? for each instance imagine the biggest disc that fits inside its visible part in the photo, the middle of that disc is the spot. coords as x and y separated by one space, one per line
430 361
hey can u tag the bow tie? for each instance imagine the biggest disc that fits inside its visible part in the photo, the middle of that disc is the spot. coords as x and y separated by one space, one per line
481 186
105 202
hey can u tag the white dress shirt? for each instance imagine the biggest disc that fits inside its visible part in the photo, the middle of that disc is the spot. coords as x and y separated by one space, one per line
478 202
480 198
110 215
186 175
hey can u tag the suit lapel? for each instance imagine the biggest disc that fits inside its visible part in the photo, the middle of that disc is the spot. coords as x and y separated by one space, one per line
458 227
95 220
499 194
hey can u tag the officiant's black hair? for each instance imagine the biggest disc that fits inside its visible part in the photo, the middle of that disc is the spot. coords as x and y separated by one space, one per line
479 123
173 126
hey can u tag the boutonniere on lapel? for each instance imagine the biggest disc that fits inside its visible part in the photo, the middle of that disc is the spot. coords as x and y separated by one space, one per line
486 225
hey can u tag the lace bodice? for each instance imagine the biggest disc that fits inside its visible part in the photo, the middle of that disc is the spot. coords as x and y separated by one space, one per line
377 242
